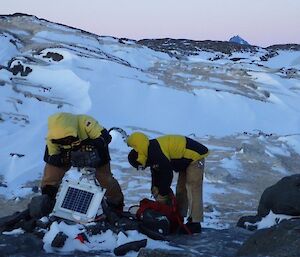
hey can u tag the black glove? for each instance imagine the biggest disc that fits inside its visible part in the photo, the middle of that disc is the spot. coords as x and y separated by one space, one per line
85 158
101 143
58 160
106 137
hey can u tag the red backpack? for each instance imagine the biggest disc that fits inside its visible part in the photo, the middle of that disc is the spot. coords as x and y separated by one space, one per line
171 212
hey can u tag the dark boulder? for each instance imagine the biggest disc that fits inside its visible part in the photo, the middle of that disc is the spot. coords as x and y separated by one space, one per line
19 68
54 56
282 240
280 198
40 205
10 222
249 222
27 225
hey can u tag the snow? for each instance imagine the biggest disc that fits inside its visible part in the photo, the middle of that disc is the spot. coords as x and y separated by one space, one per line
214 219
232 165
14 232
278 150
8 49
272 219
57 79
209 189
280 169
106 241
293 141
121 85
138 56
64 37
287 59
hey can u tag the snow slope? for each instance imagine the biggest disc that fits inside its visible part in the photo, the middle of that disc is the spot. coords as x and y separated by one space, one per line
211 96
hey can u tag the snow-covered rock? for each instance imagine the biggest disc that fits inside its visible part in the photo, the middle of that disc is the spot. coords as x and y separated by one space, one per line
281 240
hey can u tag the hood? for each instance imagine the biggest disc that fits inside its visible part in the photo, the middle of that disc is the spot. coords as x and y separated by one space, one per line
62 125
139 142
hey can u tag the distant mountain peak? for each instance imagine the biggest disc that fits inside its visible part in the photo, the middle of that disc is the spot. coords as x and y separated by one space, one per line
237 39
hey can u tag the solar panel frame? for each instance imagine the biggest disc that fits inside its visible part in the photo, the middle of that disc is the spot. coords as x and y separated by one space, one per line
78 201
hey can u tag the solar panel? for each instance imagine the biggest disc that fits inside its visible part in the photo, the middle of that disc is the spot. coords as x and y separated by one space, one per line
77 200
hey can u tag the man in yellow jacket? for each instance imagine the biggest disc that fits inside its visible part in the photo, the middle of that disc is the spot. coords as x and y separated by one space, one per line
68 132
170 153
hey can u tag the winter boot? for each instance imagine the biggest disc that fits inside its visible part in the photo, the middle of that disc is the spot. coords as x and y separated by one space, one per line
190 228
194 227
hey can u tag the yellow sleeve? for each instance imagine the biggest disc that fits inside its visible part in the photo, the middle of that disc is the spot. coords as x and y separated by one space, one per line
52 148
92 127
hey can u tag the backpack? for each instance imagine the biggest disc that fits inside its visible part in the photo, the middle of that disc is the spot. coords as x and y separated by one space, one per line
159 217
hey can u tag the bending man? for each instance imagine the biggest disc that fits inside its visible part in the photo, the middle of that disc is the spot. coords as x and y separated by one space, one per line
167 154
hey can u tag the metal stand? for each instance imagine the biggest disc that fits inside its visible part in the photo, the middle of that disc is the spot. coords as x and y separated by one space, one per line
89 175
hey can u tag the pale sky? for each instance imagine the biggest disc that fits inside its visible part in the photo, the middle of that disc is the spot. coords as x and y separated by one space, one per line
260 22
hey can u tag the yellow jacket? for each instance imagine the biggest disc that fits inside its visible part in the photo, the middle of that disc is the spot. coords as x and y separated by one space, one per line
173 147
62 125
